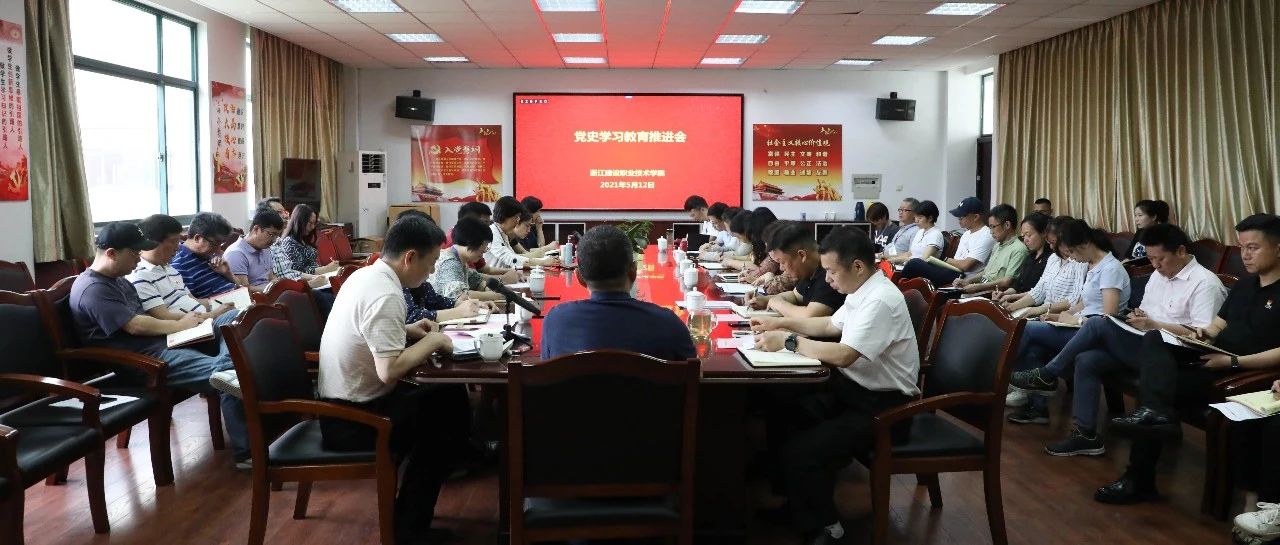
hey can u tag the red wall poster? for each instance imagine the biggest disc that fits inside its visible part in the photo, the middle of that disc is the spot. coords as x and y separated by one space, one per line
229 166
796 163
455 163
14 179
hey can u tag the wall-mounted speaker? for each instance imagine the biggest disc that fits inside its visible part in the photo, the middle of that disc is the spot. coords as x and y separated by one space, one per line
895 109
416 107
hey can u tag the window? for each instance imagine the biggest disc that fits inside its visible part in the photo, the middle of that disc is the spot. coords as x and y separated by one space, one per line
135 73
987 119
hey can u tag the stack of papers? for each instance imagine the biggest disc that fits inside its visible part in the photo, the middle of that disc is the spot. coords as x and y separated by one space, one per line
710 304
747 312
735 288
481 318
736 342
781 358
1249 406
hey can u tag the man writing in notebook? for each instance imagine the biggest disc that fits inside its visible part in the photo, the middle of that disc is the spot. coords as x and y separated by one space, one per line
971 253
1180 296
108 313
792 246
1245 326
160 287
877 360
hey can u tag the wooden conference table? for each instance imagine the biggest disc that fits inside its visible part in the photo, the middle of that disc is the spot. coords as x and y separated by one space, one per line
721 507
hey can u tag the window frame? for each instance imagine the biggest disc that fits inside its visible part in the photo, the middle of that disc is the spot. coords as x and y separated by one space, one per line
985 86
161 81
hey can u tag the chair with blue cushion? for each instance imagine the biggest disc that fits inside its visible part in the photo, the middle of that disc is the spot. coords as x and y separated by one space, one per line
967 379
633 479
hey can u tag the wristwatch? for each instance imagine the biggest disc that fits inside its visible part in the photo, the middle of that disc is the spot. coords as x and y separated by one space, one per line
791 343
1235 363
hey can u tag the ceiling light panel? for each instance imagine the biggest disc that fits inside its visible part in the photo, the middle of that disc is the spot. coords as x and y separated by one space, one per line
584 60
742 39
367 6
578 38
416 38
769 6
722 60
445 59
568 5
902 40
857 62
964 8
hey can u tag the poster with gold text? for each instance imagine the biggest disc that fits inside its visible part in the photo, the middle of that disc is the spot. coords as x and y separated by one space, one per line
455 163
229 136
796 163
14 180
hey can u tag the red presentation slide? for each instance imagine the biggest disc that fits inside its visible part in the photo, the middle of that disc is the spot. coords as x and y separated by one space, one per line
628 152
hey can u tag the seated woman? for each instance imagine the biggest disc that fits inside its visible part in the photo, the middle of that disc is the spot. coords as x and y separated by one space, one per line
928 241
521 232
764 272
1033 232
739 228
424 303
1059 285
454 277
535 240
294 254
1145 214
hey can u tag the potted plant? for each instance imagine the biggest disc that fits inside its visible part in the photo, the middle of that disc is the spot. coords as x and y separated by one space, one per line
638 233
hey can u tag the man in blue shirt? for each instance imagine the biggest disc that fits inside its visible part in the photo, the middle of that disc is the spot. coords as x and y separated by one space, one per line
611 318
203 271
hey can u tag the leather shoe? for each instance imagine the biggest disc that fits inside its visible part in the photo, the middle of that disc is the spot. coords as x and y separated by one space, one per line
821 537
1145 423
1125 491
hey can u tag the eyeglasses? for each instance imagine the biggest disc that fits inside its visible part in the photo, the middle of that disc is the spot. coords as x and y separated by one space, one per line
904 210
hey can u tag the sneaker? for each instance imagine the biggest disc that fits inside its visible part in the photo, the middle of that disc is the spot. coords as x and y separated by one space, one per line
1016 397
226 382
1035 380
1258 527
245 464
1077 444
1030 415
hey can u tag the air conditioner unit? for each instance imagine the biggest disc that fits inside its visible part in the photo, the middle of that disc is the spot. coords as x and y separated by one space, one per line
372 193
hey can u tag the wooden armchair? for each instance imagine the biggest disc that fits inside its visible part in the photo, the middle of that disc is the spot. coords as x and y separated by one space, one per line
15 277
1233 263
30 340
634 479
304 314
30 454
922 303
50 272
968 378
1219 477
84 363
335 283
1209 253
277 393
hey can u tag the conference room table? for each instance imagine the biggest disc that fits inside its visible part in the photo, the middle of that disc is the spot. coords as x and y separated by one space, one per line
721 507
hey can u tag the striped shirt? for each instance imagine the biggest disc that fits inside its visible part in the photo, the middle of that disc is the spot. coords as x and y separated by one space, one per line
161 285
199 277
1063 280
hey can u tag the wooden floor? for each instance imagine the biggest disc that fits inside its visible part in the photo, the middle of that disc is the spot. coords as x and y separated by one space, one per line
1047 501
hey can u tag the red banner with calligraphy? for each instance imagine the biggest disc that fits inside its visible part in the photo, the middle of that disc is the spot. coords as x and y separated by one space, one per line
230 168
455 163
796 163
14 178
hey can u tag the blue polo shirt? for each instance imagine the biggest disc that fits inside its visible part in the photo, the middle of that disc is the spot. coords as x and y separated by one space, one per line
615 321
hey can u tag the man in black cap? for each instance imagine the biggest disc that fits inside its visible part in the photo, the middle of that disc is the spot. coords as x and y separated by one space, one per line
108 313
971 254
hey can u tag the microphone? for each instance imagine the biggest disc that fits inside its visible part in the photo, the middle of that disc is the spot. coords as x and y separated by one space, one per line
496 286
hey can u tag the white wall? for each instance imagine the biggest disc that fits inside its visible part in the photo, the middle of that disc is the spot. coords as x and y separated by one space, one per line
222 59
914 157
15 217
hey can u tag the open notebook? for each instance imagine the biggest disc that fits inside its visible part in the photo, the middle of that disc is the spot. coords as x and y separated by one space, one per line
238 297
1263 403
1174 339
748 312
197 334
481 318
736 288
782 358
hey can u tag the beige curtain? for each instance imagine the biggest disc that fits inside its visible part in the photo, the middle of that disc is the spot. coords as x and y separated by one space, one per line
1175 101
60 220
297 113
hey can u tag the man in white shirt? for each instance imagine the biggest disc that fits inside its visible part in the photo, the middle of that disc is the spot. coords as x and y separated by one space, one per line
697 208
363 356
971 253
878 364
1180 297
160 287
507 214
720 236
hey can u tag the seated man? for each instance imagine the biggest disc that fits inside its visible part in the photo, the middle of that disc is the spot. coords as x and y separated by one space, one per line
197 260
1180 296
160 288
878 363
971 254
1042 206
107 313
793 247
607 266
900 242
1007 257
250 258
1246 325
272 204
720 235
363 356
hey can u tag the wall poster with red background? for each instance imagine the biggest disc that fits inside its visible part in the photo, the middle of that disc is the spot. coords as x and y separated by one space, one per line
229 166
796 163
14 180
455 163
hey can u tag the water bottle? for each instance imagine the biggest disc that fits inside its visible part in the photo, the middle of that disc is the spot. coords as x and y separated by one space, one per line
859 212
566 254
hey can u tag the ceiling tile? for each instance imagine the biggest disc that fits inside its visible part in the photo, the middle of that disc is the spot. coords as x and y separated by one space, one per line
434 5
899 8
1090 12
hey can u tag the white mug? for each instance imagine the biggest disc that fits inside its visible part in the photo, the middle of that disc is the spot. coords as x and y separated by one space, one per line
679 255
695 301
523 314
537 281
662 244
690 276
490 345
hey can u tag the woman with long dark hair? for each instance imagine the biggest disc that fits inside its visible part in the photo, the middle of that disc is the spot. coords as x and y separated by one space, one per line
294 254
762 271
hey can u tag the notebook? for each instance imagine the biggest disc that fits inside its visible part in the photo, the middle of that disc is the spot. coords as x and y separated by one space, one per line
1262 403
1064 325
711 304
748 312
713 266
782 358
935 261
481 318
197 334
735 287
238 297
1023 312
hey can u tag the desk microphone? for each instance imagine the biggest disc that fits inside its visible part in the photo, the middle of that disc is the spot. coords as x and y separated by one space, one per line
496 286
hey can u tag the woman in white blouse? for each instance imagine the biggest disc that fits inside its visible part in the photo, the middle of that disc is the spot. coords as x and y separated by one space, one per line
928 241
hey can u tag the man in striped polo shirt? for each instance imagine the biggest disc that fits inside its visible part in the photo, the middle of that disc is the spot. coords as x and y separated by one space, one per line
160 287
197 260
